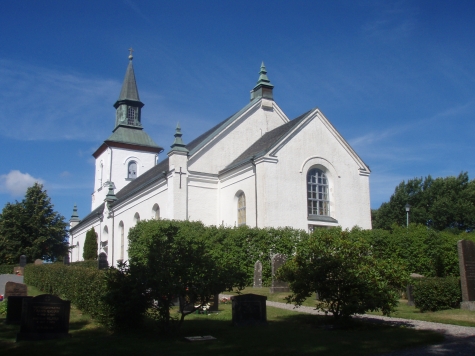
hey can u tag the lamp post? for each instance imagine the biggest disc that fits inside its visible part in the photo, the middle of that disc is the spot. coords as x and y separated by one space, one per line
408 208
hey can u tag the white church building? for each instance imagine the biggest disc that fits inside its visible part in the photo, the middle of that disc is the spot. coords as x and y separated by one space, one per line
257 168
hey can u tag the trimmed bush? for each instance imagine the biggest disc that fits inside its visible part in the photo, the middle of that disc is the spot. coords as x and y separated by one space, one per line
7 269
432 294
90 245
85 264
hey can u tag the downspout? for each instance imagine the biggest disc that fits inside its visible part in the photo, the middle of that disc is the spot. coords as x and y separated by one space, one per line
255 185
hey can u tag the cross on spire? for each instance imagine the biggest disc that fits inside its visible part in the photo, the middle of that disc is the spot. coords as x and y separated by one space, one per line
130 53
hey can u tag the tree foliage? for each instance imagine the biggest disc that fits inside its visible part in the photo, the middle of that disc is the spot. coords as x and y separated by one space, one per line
441 203
90 245
348 278
185 260
32 228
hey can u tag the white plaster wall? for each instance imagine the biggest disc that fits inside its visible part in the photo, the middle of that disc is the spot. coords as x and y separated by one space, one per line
230 184
237 137
80 236
203 198
118 170
282 189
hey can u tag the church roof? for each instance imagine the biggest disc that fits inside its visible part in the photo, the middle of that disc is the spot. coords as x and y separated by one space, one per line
132 136
267 141
129 87
91 216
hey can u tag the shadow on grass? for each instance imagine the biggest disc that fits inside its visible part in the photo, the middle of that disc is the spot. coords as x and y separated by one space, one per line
287 333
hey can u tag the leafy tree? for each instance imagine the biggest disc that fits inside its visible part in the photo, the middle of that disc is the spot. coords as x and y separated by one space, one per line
181 259
90 245
441 203
341 267
32 228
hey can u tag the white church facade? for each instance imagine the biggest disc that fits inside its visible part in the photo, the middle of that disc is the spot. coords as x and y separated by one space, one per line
256 167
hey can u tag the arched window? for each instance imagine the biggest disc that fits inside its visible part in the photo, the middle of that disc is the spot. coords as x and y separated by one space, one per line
122 247
136 218
132 170
241 209
318 201
156 212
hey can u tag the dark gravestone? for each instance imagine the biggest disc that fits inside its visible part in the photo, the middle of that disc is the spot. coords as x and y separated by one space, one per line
15 289
257 275
66 260
14 309
44 317
4 278
102 261
214 305
409 290
249 309
466 252
22 261
277 285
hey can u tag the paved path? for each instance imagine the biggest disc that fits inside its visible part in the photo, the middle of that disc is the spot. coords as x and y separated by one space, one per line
459 340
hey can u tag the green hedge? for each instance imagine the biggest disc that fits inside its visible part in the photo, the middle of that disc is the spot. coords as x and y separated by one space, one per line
84 287
432 294
7 269
86 264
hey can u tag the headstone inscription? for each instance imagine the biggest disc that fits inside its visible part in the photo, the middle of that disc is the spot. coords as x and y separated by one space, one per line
15 306
4 278
15 289
102 261
22 261
38 262
257 275
466 254
249 309
277 285
44 317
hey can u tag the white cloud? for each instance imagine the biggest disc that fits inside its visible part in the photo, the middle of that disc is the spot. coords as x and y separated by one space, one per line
16 183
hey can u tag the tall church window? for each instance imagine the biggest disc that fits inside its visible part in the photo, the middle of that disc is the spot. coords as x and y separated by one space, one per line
132 170
122 240
318 202
241 209
156 212
131 115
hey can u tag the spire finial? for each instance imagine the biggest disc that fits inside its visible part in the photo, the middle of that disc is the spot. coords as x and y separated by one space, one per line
75 216
178 144
132 57
263 87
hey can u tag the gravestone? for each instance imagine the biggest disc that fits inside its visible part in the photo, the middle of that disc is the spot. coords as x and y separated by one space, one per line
185 306
249 309
19 271
409 289
466 253
257 275
15 289
102 261
277 285
22 261
44 317
66 260
4 278
38 262
214 305
15 305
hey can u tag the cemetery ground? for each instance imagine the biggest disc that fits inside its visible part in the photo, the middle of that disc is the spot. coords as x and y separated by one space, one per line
287 333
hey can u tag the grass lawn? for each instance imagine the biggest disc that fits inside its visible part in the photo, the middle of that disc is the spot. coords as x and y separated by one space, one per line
287 333
452 316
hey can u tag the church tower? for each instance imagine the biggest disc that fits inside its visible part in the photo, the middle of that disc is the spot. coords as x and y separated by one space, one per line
129 151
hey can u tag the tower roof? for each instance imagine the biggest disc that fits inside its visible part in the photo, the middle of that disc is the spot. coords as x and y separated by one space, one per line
129 87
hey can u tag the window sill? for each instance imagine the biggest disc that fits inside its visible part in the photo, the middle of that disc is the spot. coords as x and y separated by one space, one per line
322 218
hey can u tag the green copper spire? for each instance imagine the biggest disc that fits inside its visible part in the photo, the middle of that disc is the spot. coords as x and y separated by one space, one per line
110 197
263 87
178 144
75 216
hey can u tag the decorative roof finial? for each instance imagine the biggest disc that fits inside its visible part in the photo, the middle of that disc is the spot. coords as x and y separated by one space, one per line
130 54
74 216
178 144
264 87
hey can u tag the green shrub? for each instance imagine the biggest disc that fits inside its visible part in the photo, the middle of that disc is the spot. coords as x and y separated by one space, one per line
3 307
90 245
85 264
7 269
432 294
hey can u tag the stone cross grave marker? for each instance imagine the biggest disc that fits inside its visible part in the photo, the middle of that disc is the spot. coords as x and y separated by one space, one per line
249 309
15 289
44 317
4 278
22 261
257 275
277 285
466 253
102 261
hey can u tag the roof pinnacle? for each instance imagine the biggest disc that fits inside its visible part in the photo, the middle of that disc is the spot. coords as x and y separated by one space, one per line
130 53
264 87
178 144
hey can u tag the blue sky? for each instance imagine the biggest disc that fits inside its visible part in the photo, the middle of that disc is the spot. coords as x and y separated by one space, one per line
396 79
